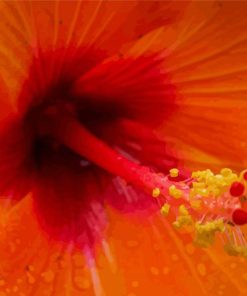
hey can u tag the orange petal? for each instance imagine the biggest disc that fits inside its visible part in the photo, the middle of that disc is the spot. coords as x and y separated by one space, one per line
136 258
209 71
205 59
204 54
26 27
31 264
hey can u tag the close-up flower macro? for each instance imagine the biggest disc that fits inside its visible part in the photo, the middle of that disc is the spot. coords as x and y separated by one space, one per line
123 148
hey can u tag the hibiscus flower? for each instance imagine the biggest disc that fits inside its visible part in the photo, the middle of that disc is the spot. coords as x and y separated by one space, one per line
106 108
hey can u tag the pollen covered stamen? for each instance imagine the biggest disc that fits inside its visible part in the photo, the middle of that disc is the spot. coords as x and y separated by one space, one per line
210 203
205 201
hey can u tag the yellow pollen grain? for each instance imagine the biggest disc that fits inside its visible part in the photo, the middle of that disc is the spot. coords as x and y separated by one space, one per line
156 192
195 204
202 192
48 276
155 271
176 225
174 192
209 192
226 172
198 185
182 210
82 283
201 268
174 172
165 209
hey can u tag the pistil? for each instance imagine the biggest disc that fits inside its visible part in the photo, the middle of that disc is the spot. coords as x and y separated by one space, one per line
71 133
208 202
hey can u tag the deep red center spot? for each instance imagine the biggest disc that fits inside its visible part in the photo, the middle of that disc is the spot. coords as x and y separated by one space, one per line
237 189
117 104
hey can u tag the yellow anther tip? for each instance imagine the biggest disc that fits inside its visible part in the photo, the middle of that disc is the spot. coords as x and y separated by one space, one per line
182 210
225 172
174 192
195 204
156 192
176 224
165 209
198 185
174 172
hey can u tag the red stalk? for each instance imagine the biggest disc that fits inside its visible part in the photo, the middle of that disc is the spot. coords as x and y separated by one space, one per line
75 136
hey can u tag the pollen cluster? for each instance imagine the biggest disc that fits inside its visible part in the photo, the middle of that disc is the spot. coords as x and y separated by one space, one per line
210 204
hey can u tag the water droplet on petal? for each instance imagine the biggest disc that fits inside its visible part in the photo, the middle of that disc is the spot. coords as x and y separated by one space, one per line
48 276
81 282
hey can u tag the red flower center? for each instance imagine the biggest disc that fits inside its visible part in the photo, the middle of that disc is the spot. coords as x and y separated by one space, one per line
80 123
